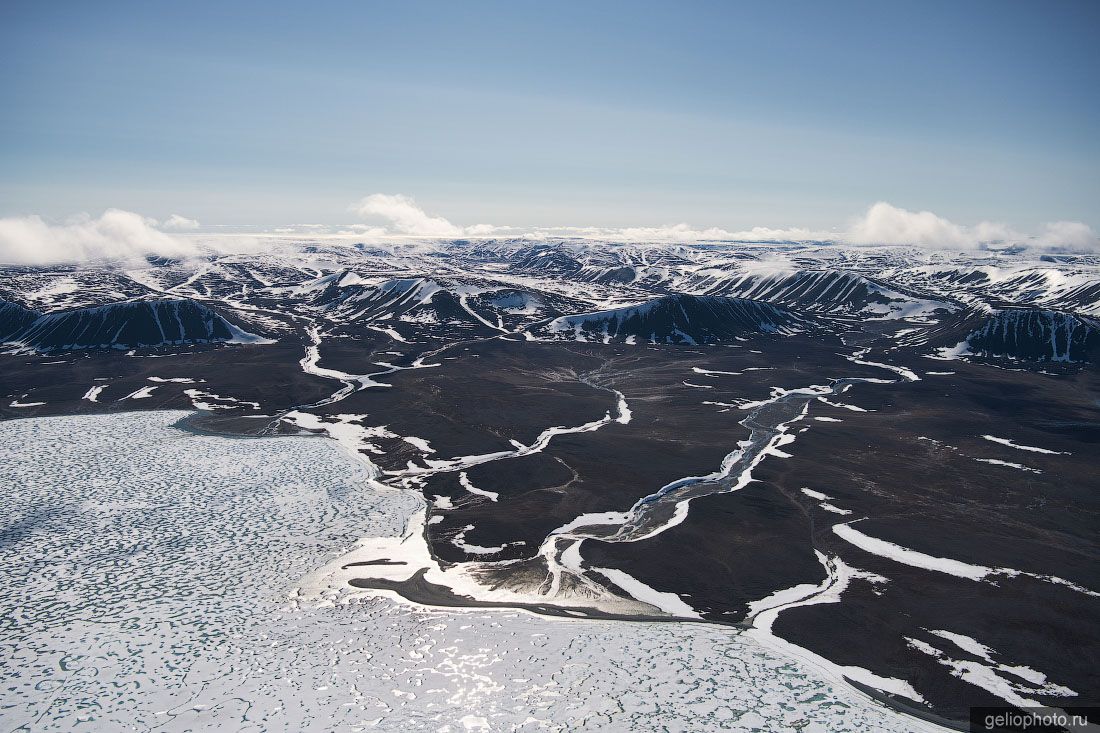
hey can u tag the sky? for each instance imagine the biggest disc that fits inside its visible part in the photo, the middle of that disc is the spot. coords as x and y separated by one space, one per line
606 114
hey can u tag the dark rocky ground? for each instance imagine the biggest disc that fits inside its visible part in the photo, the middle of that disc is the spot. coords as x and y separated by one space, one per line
932 497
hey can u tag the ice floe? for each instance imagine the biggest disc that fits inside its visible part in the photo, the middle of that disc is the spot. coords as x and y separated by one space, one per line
1017 446
990 675
959 569
140 394
209 401
419 443
1008 464
465 482
92 395
668 602
459 541
843 405
907 374
823 501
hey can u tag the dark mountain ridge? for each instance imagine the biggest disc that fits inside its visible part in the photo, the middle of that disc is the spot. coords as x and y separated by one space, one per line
678 319
1023 334
129 324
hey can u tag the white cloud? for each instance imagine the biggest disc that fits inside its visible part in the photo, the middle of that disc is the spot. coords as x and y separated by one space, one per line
881 224
887 224
481 230
682 232
793 234
402 213
1070 235
117 234
179 223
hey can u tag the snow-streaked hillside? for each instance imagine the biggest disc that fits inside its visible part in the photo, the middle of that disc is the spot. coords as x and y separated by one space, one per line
677 319
128 324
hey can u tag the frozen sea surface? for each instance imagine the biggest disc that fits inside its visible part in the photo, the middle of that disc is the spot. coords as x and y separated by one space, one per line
146 576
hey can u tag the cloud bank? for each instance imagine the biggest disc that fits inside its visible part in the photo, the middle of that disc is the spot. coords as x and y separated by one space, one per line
1071 235
179 223
405 217
400 214
684 232
116 234
884 223
127 236
881 224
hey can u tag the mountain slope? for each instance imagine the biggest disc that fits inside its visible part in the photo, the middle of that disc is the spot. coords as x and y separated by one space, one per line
678 319
355 299
824 291
417 306
14 318
130 324
1073 288
1025 334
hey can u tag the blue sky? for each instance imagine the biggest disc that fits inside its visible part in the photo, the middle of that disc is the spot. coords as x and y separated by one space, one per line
604 114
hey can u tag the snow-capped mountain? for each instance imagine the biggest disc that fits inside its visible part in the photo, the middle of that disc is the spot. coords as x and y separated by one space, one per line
825 291
355 298
561 289
422 306
1071 286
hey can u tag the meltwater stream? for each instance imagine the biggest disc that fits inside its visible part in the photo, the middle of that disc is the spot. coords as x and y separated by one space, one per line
668 506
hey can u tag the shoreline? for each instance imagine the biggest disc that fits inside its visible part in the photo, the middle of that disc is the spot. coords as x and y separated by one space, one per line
190 424
419 592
